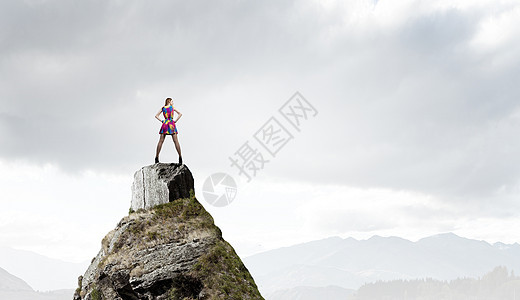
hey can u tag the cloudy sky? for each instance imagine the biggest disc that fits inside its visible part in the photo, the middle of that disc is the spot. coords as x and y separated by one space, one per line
416 132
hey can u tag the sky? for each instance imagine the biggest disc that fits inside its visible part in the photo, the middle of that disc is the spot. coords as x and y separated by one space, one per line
415 132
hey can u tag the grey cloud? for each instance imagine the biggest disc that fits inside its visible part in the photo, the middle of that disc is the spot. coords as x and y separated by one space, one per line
412 107
429 114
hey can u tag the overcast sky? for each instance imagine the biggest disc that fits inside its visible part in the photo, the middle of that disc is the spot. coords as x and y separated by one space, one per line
416 132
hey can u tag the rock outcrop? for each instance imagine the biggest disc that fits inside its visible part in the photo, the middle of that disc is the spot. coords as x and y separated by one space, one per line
160 183
168 247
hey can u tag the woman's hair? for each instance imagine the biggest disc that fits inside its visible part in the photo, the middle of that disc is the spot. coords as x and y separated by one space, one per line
167 100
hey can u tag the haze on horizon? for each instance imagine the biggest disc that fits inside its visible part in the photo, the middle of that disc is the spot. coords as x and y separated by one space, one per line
416 132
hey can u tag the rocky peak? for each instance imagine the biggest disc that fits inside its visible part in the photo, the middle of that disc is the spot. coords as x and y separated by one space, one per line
160 183
168 247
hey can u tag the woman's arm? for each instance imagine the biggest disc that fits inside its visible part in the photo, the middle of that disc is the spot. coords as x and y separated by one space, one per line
157 116
179 113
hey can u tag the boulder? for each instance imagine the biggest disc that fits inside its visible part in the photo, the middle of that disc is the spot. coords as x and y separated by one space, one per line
160 183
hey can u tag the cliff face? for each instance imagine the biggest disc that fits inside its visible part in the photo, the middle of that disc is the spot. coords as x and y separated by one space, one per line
168 248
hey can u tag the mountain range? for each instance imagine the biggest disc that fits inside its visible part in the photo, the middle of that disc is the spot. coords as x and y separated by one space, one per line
349 263
40 272
331 266
14 288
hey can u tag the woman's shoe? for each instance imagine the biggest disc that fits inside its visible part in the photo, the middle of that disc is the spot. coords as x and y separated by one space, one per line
156 160
180 160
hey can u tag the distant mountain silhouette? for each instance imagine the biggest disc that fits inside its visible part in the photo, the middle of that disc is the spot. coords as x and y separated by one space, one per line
349 263
14 288
40 272
12 283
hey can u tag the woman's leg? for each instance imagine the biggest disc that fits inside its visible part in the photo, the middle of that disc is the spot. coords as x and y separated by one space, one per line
159 145
176 142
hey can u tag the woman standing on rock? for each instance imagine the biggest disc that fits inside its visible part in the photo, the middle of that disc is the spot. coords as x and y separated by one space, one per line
168 127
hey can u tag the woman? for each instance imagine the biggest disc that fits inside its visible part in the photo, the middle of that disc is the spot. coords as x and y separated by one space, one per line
168 127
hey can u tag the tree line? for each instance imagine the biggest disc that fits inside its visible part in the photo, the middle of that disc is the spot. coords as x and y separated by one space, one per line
499 284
